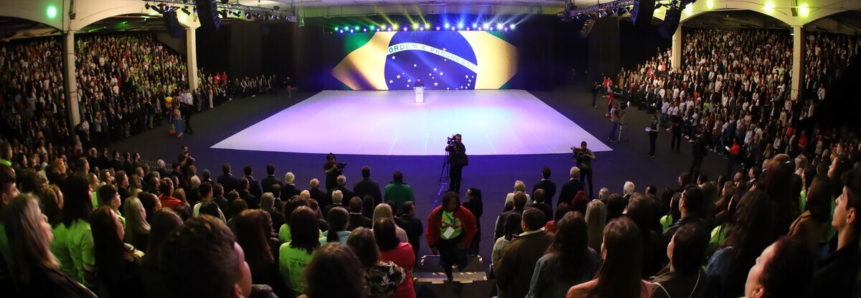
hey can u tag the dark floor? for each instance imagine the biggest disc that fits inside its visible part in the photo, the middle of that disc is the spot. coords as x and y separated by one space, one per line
494 175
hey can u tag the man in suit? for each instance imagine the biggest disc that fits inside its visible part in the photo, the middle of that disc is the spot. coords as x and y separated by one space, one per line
122 186
255 186
540 204
548 186
368 187
270 179
628 190
518 262
289 189
356 217
337 199
116 163
519 205
127 163
412 225
220 200
342 186
250 199
570 188
227 180
320 196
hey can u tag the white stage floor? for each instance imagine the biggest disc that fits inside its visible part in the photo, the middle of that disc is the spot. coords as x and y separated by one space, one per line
492 122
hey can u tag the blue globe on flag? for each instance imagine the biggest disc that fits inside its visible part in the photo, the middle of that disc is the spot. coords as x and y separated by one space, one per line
442 60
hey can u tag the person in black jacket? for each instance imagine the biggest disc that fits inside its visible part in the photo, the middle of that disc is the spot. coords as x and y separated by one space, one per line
270 179
254 185
570 188
538 203
700 152
227 180
289 189
412 225
252 200
475 206
548 186
457 159
368 187
356 217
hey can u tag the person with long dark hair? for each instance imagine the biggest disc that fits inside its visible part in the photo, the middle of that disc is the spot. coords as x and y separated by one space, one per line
295 255
784 270
119 267
619 275
778 185
569 260
476 206
750 232
254 235
684 276
382 278
34 269
334 264
450 230
812 226
640 210
400 253
164 223
73 241
339 226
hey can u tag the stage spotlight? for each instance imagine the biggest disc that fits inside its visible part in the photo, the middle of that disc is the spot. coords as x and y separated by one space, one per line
365 30
506 29
447 26
336 28
351 30
577 17
499 26
460 25
248 15
422 29
405 28
427 26
372 27
415 26
378 29
389 29
341 31
486 25
512 26
437 28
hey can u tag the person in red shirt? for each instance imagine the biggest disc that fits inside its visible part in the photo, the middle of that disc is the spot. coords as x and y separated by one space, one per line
609 101
395 251
167 199
802 142
450 230
733 156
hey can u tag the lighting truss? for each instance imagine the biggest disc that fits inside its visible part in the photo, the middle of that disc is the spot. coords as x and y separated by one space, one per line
162 6
619 8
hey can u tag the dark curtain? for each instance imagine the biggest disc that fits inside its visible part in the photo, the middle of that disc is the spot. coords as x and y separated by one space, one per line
536 53
604 47
245 49
308 57
639 43
277 50
571 53
213 48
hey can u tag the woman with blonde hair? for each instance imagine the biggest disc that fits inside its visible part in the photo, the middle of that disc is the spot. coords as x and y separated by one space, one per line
596 220
137 228
384 211
519 186
35 270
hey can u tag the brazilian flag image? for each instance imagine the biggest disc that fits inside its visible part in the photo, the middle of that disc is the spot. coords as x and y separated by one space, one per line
442 60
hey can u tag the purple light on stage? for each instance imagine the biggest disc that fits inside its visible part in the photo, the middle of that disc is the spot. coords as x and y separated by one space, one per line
422 29
365 30
506 29
351 30
437 28
405 29
378 29
342 31
453 29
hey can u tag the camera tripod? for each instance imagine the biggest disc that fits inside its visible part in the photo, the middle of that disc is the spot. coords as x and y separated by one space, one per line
445 165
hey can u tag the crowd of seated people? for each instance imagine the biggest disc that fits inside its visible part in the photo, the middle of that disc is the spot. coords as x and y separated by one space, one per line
85 225
731 95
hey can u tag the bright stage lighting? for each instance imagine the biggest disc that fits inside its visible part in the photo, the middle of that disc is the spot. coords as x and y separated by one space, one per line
389 29
453 28
415 26
351 30
341 31
447 26
460 25
422 29
365 30
499 26
405 28
437 28
486 26
512 26
378 29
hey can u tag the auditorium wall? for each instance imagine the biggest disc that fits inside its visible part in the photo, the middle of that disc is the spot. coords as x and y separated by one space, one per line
177 44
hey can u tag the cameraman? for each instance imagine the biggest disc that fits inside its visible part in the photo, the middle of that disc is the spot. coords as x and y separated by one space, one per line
584 158
457 159
332 170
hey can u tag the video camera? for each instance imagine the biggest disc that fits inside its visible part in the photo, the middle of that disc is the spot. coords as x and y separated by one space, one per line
451 139
579 154
341 165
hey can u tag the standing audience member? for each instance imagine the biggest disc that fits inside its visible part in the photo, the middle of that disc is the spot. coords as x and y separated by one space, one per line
73 239
137 228
542 206
450 230
783 270
519 205
164 223
548 186
811 227
202 259
384 211
519 260
561 210
750 232
370 187
684 275
254 235
836 275
399 253
511 230
295 255
414 227
619 275
570 188
382 278
596 220
692 209
476 206
519 188
397 191
119 268
339 226
357 219
569 260
270 180
335 264
34 269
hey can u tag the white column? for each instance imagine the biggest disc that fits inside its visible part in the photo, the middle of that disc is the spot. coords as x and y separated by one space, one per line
797 61
71 85
191 57
677 49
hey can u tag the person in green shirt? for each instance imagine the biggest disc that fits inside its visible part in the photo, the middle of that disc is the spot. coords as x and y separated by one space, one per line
399 192
295 255
6 154
108 196
73 239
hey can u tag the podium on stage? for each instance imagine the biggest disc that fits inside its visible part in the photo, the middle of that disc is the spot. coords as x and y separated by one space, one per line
420 94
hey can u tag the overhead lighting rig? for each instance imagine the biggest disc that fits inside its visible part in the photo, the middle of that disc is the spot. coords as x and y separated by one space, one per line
225 10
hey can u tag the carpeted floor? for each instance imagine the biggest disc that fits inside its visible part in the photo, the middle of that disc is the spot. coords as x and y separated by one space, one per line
493 174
